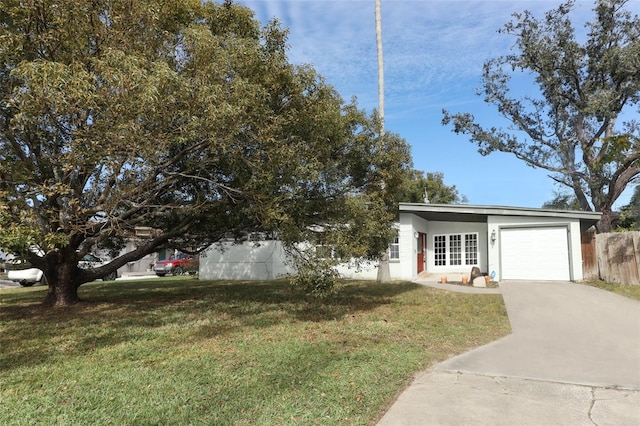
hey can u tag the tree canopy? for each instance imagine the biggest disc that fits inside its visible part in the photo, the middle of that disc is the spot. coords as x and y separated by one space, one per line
582 126
432 185
183 116
562 201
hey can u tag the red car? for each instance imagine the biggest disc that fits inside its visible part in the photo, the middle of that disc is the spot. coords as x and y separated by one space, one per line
177 264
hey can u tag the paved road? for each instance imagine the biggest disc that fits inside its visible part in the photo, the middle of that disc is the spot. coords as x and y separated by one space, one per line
573 358
8 284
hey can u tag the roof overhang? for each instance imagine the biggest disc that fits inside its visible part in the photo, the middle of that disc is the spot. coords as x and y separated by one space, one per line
468 213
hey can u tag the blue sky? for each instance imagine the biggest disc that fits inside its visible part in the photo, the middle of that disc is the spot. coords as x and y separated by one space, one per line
433 53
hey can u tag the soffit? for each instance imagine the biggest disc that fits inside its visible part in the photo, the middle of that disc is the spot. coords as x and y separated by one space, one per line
469 213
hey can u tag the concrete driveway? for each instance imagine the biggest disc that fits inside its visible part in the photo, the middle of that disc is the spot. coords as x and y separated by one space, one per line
573 358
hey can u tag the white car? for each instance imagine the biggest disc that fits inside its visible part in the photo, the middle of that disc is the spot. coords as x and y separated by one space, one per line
18 270
91 261
27 277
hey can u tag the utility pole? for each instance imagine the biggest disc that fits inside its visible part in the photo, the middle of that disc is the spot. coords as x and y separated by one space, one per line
384 274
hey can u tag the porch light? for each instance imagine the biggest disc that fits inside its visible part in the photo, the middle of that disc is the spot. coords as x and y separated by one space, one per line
416 235
493 236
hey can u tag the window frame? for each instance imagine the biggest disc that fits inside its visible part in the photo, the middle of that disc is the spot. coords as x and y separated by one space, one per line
456 249
394 248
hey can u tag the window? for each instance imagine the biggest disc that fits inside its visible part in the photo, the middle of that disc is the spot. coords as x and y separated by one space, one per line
440 250
394 248
455 250
471 249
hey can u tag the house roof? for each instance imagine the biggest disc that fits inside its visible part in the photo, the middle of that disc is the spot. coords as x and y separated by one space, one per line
468 213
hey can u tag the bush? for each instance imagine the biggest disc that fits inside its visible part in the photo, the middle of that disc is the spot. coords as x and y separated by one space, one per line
317 279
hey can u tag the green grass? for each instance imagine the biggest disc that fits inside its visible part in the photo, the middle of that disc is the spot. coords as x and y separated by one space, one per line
627 290
183 351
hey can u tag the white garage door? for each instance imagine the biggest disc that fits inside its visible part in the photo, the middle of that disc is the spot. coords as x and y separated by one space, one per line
534 254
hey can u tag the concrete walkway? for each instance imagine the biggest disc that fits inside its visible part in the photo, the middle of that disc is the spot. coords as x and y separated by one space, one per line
573 358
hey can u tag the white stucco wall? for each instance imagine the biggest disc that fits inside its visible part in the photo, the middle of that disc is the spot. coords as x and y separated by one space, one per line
365 271
408 225
495 223
368 270
265 260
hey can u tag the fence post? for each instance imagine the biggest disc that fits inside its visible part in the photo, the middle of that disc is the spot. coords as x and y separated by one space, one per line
589 256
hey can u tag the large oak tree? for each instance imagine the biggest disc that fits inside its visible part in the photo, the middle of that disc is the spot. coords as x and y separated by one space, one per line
579 120
183 116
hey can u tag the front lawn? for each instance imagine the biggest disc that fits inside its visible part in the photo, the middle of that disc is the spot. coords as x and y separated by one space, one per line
184 351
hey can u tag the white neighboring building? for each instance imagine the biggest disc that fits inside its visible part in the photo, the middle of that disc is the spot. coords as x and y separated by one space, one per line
508 243
249 260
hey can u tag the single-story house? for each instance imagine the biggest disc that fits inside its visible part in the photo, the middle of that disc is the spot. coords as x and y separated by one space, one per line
507 243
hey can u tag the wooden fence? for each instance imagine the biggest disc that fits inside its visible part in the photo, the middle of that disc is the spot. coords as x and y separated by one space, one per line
589 257
612 257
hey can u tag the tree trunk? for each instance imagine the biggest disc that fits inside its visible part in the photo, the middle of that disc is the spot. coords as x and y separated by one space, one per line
61 295
605 224
384 275
63 286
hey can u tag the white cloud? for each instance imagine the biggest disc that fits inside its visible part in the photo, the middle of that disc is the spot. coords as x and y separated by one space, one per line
427 44
433 51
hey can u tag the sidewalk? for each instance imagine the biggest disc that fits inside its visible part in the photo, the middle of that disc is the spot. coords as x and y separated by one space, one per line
432 280
573 358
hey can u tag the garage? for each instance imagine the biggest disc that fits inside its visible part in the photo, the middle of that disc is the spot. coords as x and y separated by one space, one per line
540 253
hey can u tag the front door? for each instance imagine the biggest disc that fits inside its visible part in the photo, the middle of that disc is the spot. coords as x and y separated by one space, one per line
420 250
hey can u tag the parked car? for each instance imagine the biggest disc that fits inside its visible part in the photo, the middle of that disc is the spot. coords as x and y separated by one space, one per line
177 264
21 271
26 277
91 261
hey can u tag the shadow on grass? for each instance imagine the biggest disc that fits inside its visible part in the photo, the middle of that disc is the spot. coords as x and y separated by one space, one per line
116 313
